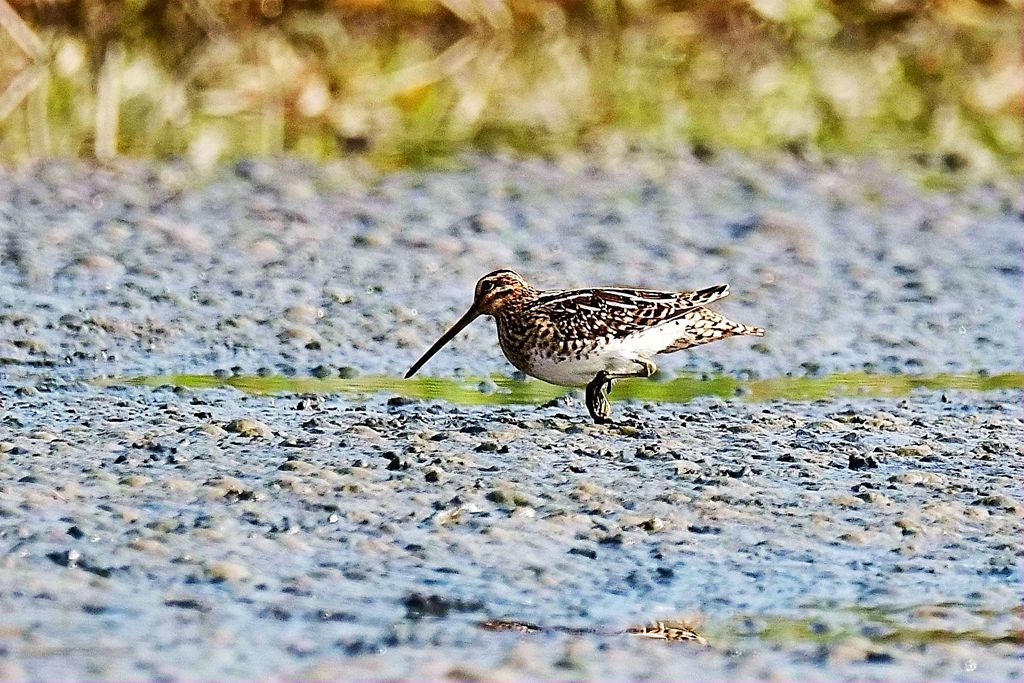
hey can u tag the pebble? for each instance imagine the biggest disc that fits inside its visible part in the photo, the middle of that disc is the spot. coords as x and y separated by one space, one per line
303 314
860 461
652 525
212 429
322 371
348 372
1000 502
228 485
298 334
875 498
249 427
915 450
224 570
918 477
136 481
150 545
299 466
909 526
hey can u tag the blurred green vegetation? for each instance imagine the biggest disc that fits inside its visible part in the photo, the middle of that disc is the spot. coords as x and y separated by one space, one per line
499 389
409 82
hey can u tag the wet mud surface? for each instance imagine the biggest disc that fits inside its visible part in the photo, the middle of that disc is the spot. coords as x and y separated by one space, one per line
160 532
288 268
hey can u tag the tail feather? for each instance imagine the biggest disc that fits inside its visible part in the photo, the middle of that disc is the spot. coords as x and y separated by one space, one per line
703 297
706 326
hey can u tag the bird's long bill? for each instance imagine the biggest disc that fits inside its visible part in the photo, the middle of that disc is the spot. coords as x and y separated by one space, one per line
469 317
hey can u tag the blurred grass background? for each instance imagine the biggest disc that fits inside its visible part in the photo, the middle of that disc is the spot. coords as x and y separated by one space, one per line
937 83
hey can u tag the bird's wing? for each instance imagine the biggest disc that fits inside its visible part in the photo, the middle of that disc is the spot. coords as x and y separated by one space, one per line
616 312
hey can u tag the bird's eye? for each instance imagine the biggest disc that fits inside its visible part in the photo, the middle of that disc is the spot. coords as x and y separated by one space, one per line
486 286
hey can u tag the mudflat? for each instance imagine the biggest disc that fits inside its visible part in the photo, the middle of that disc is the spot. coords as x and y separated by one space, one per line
168 532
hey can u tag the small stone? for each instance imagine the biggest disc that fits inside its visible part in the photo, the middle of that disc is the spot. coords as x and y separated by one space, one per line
249 427
224 570
303 314
265 250
187 603
1000 502
914 450
909 526
228 485
888 421
33 346
915 477
322 371
298 334
364 432
300 466
395 463
652 525
683 467
347 372
874 497
311 402
149 545
859 461
340 296
179 485
488 222
499 496
100 264
850 649
213 429
129 514
376 239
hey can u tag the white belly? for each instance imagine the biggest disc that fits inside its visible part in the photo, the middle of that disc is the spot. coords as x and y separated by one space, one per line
617 356
572 372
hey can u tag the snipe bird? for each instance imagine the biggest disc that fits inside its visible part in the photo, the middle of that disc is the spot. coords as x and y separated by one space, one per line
590 337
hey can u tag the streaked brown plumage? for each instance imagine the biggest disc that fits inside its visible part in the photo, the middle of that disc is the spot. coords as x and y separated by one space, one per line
668 630
671 630
589 337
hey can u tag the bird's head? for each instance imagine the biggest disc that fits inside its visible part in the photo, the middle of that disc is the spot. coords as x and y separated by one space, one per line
496 289
493 291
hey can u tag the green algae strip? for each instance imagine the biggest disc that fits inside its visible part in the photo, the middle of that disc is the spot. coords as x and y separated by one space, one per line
885 625
777 629
505 390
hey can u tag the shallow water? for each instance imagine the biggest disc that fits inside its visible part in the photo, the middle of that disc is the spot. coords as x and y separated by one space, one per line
499 389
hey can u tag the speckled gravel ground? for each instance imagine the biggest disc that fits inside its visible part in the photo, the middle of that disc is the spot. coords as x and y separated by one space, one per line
160 533
288 267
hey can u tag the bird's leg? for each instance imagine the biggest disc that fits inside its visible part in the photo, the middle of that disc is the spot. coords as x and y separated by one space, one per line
597 398
597 391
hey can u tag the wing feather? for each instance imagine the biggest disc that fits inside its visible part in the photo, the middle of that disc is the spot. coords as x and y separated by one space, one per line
616 313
